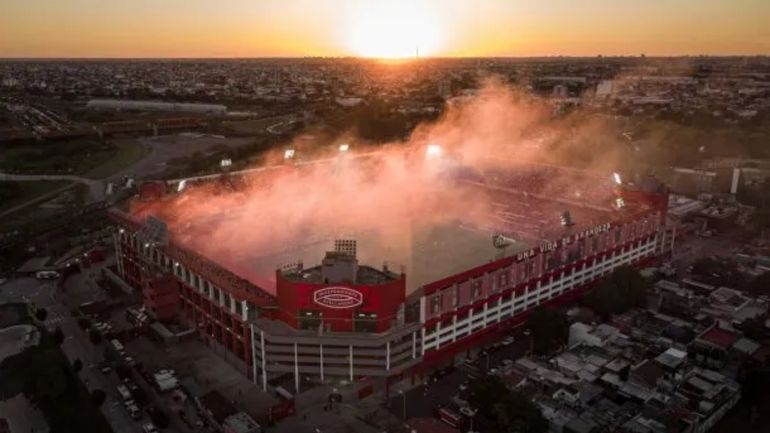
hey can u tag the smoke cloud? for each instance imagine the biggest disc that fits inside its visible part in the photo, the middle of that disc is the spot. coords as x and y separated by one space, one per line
394 203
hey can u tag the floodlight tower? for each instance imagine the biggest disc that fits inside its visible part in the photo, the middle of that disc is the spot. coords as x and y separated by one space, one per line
616 177
433 150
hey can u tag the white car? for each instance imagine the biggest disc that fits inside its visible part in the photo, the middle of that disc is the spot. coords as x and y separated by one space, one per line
507 341
133 411
467 411
149 428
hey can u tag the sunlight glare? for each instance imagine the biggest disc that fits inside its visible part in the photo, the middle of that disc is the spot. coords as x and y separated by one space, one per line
393 29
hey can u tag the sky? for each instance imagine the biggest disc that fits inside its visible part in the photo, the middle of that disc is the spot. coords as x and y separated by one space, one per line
381 28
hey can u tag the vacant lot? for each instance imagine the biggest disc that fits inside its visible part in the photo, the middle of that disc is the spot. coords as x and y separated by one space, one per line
15 193
86 157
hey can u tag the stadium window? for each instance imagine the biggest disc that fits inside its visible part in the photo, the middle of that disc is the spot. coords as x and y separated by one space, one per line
594 244
617 235
365 322
435 304
502 279
238 308
456 296
476 289
529 269
309 319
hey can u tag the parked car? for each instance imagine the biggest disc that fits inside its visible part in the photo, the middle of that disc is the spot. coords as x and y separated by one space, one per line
149 428
133 410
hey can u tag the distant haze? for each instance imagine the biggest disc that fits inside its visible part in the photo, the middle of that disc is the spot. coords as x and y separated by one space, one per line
381 28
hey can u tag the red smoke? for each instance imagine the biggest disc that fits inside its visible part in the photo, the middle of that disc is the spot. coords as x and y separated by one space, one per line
377 200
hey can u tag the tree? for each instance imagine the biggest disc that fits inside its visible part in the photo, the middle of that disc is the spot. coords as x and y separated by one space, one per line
549 329
623 290
41 314
159 418
95 337
511 411
140 396
122 370
84 323
98 396
77 365
58 336
484 393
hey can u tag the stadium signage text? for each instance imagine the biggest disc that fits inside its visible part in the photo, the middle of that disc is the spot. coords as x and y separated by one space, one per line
338 297
550 246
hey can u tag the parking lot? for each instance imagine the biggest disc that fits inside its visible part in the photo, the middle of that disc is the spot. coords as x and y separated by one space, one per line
201 370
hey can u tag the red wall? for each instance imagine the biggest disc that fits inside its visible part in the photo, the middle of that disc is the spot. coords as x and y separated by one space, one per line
383 299
161 295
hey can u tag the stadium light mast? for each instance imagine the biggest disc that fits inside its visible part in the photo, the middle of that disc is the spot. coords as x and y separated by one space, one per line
616 178
344 148
182 185
433 150
288 154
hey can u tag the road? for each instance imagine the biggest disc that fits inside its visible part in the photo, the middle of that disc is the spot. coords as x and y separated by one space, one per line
75 346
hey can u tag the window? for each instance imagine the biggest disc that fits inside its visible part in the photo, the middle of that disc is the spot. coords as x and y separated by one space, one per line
502 279
309 319
435 304
476 289
365 322
456 296
238 309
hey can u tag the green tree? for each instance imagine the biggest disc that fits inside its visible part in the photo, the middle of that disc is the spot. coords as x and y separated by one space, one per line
77 365
84 323
512 411
95 337
623 290
549 329
122 370
159 418
98 397
41 314
58 336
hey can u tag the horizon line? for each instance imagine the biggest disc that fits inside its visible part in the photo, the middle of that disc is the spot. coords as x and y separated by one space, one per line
387 59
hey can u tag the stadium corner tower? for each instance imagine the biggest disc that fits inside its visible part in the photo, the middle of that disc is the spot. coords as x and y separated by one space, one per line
452 285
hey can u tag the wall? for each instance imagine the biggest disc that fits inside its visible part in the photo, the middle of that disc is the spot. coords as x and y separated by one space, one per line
382 299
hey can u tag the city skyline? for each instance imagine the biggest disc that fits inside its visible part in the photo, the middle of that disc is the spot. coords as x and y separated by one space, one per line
303 28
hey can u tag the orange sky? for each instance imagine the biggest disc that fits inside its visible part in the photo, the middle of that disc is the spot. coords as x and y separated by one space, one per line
252 28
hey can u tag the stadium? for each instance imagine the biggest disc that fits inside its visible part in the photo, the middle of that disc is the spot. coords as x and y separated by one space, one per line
381 265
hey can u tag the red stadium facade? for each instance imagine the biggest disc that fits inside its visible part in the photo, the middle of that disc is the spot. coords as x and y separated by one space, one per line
342 319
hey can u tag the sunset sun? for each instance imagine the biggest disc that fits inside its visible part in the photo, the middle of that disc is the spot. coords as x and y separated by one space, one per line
394 29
